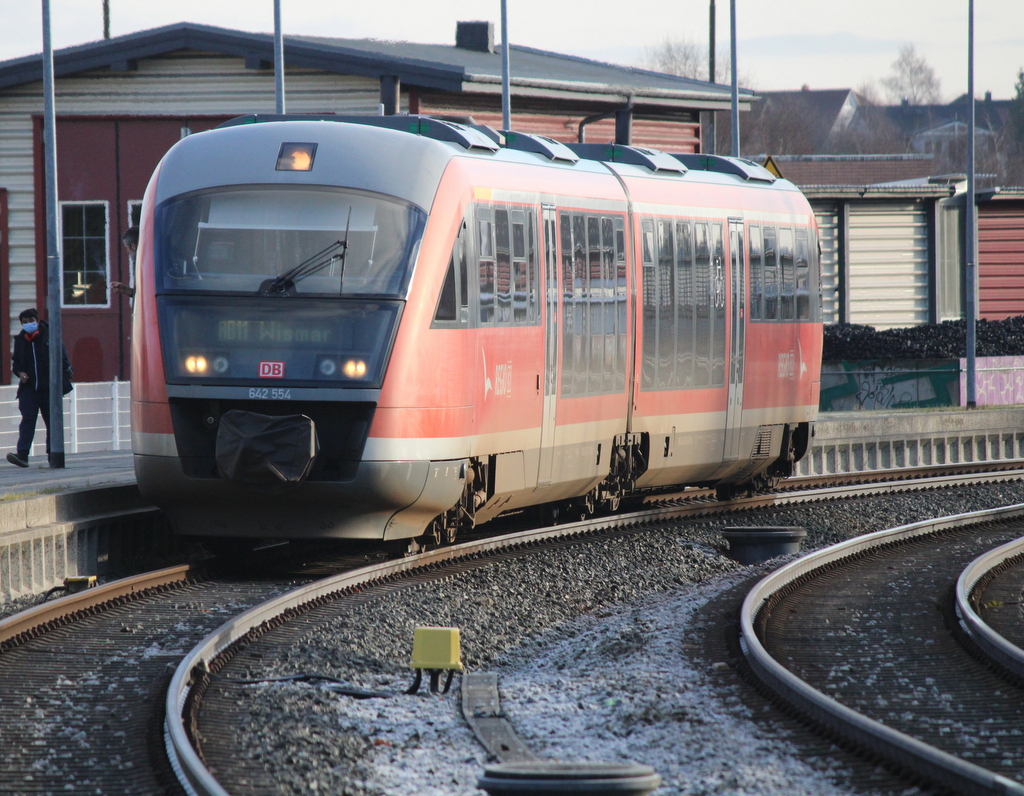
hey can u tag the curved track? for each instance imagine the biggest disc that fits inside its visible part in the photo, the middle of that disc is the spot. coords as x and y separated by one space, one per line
893 676
91 720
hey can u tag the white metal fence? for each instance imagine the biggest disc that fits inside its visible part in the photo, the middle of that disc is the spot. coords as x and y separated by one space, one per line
96 418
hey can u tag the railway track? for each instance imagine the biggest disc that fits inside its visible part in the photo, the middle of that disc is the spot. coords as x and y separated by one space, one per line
87 667
867 639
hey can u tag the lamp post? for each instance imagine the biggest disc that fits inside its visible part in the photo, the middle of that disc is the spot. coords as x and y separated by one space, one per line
711 75
278 60
506 100
735 83
53 258
971 238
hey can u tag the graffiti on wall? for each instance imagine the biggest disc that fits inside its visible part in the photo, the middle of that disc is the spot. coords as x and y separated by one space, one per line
999 381
889 384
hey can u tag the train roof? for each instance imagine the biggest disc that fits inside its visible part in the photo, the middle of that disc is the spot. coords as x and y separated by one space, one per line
405 156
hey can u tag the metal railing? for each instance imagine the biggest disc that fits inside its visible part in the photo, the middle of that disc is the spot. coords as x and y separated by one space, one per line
96 418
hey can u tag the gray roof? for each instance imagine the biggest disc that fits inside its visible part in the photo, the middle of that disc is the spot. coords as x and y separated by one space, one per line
535 73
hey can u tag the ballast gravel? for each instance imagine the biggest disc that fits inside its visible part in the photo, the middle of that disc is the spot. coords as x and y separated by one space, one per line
598 660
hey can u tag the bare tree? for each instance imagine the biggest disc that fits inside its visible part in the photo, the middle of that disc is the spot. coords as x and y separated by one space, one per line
867 93
687 58
678 57
912 79
1013 134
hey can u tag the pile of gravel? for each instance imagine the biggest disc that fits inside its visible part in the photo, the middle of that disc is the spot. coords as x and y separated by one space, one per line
600 657
947 340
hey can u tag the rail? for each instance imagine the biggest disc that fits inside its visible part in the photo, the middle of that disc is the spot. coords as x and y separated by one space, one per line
892 744
991 643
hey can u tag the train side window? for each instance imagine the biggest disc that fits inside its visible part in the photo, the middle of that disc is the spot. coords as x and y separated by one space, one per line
608 312
463 274
803 295
569 319
771 276
650 304
756 273
446 304
666 331
684 305
580 294
485 250
532 276
595 304
503 267
718 319
453 291
520 277
788 285
702 300
620 303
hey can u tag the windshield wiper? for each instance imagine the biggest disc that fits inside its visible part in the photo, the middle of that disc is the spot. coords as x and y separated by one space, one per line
284 284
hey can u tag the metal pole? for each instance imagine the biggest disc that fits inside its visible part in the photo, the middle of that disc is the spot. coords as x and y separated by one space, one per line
53 258
711 75
971 239
506 101
735 82
106 19
278 59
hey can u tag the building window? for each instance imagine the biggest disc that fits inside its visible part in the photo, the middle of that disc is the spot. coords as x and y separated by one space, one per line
84 253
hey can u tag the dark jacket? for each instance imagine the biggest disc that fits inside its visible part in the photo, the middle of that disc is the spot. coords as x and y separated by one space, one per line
33 357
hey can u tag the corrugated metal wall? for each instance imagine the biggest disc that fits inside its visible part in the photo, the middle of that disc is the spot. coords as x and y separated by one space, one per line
1000 259
827 214
889 281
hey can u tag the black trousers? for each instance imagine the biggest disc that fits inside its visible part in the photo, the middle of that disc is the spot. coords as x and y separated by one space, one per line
32 403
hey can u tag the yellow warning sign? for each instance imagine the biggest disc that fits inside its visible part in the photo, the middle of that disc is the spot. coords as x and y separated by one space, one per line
769 163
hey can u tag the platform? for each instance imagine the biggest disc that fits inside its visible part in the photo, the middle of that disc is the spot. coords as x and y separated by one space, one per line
81 471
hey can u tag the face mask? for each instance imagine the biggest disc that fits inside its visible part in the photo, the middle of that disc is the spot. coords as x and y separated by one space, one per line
30 327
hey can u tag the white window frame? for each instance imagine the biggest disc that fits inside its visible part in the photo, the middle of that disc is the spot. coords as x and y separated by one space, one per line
133 203
106 265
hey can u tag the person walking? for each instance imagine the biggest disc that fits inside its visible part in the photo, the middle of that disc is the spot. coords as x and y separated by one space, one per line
31 364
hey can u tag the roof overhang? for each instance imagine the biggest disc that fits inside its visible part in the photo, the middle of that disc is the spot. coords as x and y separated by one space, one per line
877 191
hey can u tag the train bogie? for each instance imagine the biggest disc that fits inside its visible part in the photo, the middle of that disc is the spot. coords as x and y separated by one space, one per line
461 329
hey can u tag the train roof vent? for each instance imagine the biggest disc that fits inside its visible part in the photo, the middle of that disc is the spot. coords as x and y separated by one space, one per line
429 127
741 167
542 145
638 156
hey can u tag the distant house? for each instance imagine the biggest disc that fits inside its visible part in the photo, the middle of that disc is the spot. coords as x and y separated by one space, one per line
122 103
809 121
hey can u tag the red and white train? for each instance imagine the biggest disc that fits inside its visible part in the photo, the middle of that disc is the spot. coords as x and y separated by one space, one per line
393 328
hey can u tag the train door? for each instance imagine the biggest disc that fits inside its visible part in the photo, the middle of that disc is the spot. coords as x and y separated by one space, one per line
547 429
737 323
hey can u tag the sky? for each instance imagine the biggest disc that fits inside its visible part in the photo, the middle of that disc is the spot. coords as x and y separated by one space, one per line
781 44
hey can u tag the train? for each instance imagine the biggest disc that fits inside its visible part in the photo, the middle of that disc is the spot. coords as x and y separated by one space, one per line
395 328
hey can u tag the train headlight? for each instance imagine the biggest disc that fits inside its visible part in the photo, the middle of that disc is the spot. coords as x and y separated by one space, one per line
196 365
354 369
220 365
328 367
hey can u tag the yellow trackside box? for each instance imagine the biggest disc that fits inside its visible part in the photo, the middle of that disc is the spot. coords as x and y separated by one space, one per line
436 648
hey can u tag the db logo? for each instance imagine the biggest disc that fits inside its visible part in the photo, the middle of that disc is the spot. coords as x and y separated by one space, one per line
271 370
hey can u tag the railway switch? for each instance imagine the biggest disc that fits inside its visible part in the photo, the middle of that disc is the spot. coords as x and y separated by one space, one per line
435 649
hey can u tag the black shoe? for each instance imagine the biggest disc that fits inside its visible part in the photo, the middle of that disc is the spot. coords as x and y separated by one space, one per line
14 458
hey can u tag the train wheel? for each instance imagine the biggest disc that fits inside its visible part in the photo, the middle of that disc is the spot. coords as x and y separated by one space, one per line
612 504
449 531
435 533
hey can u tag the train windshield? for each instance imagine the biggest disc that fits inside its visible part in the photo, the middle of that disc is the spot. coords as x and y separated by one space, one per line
235 240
